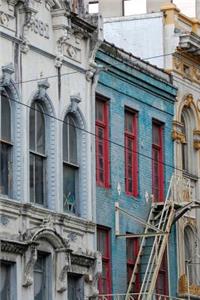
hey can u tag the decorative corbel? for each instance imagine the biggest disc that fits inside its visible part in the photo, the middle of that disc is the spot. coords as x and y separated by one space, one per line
63 265
75 100
30 259
43 85
188 101
177 134
7 71
196 139
11 5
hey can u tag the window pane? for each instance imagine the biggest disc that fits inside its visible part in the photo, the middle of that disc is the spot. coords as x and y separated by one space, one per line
39 180
5 119
65 140
40 278
72 141
5 172
75 287
156 134
32 128
100 110
32 178
5 284
40 125
69 194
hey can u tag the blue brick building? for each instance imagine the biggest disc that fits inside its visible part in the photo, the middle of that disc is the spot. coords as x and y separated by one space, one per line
134 160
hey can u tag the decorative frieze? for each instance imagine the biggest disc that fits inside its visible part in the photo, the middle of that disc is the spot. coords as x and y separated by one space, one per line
186 69
4 19
15 247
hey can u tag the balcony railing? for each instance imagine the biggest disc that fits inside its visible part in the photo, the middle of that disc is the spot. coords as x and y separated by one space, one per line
135 296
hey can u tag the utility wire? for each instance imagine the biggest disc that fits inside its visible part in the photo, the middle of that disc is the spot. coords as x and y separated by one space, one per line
95 135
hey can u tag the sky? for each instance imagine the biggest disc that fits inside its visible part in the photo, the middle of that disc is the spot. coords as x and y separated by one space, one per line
187 7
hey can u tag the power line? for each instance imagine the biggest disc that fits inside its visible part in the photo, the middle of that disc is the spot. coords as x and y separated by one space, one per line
95 135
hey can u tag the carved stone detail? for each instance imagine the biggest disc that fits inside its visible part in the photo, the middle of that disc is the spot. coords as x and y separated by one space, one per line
43 85
7 71
63 264
177 134
188 101
4 220
30 259
13 247
75 100
196 142
4 19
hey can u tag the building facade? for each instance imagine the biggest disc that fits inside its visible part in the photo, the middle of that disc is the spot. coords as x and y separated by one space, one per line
174 47
47 194
134 161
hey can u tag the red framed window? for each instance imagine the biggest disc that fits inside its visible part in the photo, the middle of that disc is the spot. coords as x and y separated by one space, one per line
162 280
157 162
103 245
102 143
131 158
132 249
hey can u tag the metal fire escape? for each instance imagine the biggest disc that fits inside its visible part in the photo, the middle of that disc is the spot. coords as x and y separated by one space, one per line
161 218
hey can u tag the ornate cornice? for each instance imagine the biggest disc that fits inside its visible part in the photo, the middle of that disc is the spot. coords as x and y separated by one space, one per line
82 260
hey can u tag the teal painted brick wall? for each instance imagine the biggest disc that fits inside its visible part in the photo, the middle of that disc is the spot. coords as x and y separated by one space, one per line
153 98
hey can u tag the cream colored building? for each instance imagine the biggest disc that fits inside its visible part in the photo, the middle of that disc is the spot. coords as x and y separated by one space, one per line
47 180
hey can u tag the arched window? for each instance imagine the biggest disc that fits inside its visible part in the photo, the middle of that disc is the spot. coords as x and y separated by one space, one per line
37 154
188 151
190 259
70 165
5 145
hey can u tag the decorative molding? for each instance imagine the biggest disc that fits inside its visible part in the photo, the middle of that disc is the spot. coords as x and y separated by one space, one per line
63 264
196 141
4 220
75 100
15 247
177 134
43 85
189 100
4 19
30 259
193 289
82 260
7 71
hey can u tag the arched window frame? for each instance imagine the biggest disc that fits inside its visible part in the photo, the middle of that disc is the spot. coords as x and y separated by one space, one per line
70 165
190 257
6 146
35 157
188 152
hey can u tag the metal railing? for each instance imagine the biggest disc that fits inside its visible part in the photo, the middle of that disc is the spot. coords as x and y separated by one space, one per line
134 296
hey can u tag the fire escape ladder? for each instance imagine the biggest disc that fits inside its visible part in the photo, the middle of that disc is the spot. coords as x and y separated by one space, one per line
161 216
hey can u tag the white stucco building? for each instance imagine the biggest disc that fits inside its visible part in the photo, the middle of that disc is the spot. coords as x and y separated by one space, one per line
47 180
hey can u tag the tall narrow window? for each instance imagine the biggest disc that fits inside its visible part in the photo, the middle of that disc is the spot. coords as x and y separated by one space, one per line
131 160
75 286
157 162
184 147
37 154
5 145
70 165
162 279
41 278
132 248
7 281
102 144
103 245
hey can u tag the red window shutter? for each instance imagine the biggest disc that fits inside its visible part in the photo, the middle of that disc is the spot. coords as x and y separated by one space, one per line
103 245
131 157
102 143
132 249
157 162
162 279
